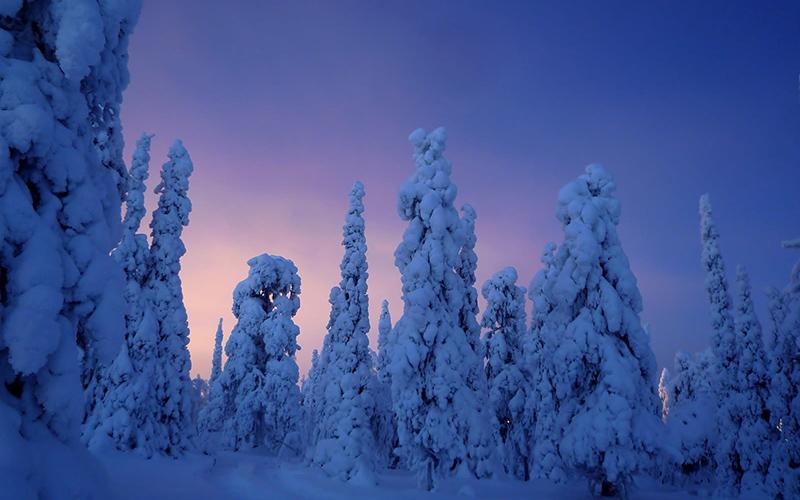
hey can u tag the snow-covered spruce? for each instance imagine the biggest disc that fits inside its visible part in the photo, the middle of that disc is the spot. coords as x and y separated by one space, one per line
386 432
482 439
126 416
726 355
504 319
540 417
663 393
754 443
59 220
436 409
344 439
256 400
604 370
172 383
784 474
216 358
689 405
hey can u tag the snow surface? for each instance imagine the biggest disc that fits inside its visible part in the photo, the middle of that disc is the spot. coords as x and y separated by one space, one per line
255 475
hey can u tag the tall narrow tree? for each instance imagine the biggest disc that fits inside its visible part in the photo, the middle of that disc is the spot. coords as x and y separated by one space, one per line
386 432
724 346
504 319
435 406
127 416
754 442
173 385
216 358
345 441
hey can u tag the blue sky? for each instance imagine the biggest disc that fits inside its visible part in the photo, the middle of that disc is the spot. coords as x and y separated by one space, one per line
284 104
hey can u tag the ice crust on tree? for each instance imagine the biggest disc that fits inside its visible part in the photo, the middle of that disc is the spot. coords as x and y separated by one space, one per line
436 409
504 319
164 292
256 400
216 358
603 371
62 309
344 438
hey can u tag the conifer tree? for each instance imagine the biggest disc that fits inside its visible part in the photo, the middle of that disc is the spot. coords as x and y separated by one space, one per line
604 369
216 359
504 319
345 441
436 408
164 292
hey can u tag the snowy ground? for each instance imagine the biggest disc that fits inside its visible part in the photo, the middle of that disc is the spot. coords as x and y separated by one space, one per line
251 475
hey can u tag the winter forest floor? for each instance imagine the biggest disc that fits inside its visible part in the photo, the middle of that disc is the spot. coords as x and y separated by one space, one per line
250 475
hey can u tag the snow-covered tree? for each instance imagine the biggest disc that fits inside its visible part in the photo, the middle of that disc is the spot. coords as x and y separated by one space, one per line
726 354
784 474
690 405
386 432
345 441
165 294
384 344
504 319
436 409
61 309
754 442
199 395
126 414
308 396
216 358
256 400
541 405
604 369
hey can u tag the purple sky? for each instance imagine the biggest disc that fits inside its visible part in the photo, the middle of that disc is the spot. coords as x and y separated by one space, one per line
283 105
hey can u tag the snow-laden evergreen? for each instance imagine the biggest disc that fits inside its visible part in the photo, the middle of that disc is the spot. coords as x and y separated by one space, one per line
386 432
436 409
127 415
164 291
504 319
256 400
384 344
61 299
726 354
754 442
541 405
604 369
784 473
663 393
482 439
309 390
690 406
216 358
345 444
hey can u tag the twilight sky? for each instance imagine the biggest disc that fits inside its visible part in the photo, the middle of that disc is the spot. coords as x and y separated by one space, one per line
282 105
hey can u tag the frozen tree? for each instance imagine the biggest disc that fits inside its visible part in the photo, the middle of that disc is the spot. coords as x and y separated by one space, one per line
541 405
345 441
481 444
61 303
690 407
172 383
504 319
127 411
726 354
604 370
783 480
216 359
199 395
256 400
308 393
386 432
754 442
436 408
384 343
